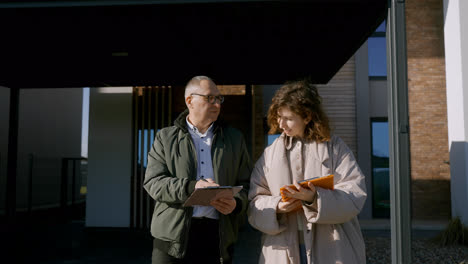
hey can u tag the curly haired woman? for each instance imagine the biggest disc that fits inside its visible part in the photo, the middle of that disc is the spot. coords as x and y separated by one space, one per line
314 225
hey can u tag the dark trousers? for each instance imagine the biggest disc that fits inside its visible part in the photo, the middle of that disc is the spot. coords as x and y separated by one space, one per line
202 247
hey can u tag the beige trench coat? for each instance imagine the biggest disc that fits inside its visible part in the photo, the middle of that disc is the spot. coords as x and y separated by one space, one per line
331 230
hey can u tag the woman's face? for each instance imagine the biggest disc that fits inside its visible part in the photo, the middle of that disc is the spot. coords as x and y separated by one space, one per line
291 123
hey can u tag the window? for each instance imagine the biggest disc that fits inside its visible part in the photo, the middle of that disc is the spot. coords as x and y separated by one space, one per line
271 138
145 141
377 53
380 169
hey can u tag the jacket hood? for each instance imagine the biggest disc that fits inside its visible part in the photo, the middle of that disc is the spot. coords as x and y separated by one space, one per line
180 122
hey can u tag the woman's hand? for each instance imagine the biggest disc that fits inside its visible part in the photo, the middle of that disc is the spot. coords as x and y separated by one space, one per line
288 206
304 194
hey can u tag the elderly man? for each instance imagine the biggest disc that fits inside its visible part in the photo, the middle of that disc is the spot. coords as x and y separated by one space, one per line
198 151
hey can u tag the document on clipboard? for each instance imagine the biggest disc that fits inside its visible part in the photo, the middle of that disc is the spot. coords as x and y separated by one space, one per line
203 196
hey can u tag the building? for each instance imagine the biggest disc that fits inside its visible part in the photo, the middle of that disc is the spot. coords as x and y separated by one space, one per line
122 124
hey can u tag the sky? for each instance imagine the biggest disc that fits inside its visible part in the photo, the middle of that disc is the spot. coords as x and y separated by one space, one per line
380 139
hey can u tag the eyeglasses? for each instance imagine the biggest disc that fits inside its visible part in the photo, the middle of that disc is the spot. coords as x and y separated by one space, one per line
211 98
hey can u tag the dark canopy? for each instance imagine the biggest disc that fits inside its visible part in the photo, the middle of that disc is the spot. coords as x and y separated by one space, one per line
115 43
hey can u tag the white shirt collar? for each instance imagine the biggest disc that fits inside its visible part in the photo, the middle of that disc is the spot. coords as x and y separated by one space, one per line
195 129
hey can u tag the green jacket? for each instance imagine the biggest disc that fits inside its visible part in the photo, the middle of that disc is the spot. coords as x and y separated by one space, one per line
171 176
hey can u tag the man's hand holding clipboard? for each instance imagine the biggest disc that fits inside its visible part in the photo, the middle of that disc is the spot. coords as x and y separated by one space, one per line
220 197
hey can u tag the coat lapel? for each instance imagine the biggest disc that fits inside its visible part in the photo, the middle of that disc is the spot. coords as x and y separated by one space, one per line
279 173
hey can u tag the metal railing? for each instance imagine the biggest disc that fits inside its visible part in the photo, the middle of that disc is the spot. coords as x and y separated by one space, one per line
64 185
63 168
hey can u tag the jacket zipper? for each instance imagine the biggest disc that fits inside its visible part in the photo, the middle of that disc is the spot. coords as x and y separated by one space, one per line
221 233
216 174
189 210
220 229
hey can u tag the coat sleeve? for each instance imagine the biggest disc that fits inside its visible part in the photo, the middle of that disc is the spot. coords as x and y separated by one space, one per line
347 199
262 208
160 184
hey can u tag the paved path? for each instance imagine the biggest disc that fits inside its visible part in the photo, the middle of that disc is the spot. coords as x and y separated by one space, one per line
72 243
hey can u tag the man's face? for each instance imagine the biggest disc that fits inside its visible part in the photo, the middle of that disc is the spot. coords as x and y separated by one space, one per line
200 108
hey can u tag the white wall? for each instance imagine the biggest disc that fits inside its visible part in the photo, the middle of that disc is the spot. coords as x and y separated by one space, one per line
109 157
4 119
49 129
456 61
85 124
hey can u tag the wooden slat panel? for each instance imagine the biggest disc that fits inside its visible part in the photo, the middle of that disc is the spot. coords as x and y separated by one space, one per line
151 112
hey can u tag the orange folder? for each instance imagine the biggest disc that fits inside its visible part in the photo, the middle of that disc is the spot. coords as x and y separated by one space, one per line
325 182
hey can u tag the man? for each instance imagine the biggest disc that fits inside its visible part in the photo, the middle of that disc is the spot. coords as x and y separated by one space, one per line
198 151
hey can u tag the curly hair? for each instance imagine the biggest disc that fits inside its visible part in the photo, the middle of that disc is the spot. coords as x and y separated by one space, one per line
302 98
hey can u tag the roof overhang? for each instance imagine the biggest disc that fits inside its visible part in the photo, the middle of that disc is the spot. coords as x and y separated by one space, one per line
114 43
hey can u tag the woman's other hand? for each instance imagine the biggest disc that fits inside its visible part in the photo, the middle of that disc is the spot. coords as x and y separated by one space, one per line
288 206
301 193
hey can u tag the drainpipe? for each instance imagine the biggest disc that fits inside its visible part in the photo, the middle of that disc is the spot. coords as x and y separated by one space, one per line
400 178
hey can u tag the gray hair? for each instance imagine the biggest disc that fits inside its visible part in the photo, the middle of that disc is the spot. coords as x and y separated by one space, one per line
194 84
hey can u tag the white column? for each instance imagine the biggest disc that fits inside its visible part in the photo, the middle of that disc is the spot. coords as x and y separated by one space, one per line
109 157
456 60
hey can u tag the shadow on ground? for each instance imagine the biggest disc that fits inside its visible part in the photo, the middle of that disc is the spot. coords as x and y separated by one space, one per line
73 243
49 241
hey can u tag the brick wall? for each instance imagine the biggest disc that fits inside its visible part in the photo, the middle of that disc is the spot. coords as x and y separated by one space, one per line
427 109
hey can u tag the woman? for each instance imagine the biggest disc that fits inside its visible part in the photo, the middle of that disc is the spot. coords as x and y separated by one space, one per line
314 225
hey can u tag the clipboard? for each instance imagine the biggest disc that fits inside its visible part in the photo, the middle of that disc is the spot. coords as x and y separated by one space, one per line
325 182
203 196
